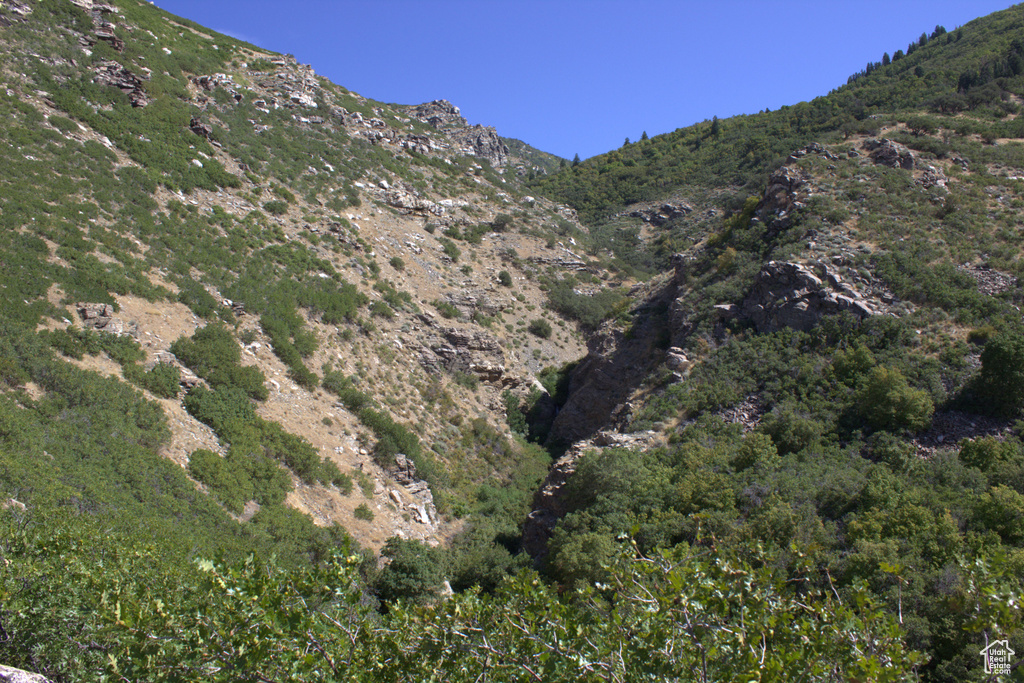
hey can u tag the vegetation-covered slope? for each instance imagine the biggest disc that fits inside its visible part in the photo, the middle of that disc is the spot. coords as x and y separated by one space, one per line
791 452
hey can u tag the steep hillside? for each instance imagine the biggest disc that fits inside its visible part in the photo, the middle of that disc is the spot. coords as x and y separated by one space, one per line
283 371
831 368
365 273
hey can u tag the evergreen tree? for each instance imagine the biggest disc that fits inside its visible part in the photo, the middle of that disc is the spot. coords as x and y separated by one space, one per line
644 136
885 59
716 127
576 161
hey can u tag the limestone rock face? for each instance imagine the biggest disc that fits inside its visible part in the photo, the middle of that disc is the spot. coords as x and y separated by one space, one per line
472 302
113 74
660 215
792 295
478 141
19 10
199 128
933 177
813 148
891 154
101 317
439 114
456 350
418 499
787 192
9 674
484 142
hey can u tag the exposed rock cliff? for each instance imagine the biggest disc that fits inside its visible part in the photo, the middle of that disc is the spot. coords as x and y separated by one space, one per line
792 295
479 141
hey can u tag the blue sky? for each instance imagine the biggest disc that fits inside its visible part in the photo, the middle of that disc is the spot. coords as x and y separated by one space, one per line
579 76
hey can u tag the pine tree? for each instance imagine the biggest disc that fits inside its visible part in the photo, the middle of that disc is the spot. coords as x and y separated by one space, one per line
644 136
576 161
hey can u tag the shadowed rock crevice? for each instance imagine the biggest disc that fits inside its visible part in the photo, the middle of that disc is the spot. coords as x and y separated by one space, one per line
616 364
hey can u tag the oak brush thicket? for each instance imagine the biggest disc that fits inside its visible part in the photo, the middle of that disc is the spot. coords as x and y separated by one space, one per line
840 502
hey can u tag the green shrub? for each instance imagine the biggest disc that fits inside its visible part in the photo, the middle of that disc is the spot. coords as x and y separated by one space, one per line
382 310
276 207
505 279
228 483
163 380
987 452
540 328
224 409
414 573
397 263
363 512
757 450
791 430
1002 372
514 415
887 402
446 309
501 222
449 248
466 380
213 354
587 309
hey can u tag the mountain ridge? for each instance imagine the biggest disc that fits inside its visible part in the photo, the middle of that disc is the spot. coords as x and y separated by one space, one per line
248 313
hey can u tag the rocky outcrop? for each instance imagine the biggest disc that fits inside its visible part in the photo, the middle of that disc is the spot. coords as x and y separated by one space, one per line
677 361
662 214
18 12
470 303
200 128
482 142
295 84
439 114
787 192
422 503
105 31
101 317
188 380
812 149
788 189
990 282
9 674
103 27
549 503
410 202
213 81
116 76
562 263
455 350
889 153
932 177
479 141
792 295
